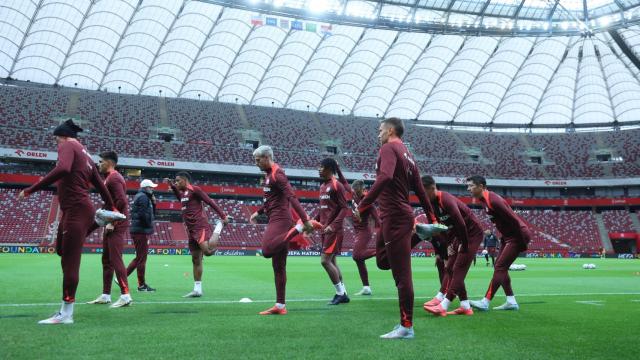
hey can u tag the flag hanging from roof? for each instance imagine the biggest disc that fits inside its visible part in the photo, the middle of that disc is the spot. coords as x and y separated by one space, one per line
256 20
296 25
284 23
310 27
271 21
325 29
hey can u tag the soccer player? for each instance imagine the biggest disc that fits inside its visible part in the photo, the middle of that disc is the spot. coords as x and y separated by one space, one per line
114 234
195 219
278 198
489 245
466 229
142 216
362 228
516 237
396 175
331 215
74 172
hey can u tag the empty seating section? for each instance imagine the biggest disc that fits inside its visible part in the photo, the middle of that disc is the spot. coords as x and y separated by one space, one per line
212 132
576 230
207 122
618 221
31 108
24 221
119 116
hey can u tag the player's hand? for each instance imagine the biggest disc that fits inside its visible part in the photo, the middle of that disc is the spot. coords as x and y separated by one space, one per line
307 227
327 229
22 195
227 220
253 217
109 228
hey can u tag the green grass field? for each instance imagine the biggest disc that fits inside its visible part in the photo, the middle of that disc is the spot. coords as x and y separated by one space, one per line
566 312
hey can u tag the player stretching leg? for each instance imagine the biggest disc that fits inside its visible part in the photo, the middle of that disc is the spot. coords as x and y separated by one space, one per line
516 237
200 233
333 204
362 228
278 198
467 231
396 175
113 238
74 173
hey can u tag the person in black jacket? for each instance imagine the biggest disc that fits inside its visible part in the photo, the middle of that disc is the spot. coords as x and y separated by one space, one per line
490 244
142 216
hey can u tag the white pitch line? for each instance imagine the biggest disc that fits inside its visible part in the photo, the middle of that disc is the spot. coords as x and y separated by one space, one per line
592 302
190 302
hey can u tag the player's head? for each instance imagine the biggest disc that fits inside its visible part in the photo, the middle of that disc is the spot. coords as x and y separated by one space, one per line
430 187
66 130
108 161
487 232
358 187
476 184
183 179
263 157
328 167
389 129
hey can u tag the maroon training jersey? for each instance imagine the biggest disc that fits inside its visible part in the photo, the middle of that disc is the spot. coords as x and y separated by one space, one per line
279 197
74 172
457 216
191 200
118 190
396 175
370 212
507 222
333 203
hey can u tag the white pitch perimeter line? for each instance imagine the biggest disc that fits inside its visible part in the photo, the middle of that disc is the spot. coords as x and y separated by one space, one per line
190 302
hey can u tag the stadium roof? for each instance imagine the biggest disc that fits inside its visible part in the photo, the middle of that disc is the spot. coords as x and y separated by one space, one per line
203 50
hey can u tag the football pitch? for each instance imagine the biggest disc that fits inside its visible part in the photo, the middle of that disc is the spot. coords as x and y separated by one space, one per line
565 313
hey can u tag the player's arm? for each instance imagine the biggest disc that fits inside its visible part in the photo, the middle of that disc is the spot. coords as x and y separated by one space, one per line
173 188
209 201
338 213
504 211
119 194
344 182
97 182
287 190
388 162
418 189
254 216
450 206
63 168
374 214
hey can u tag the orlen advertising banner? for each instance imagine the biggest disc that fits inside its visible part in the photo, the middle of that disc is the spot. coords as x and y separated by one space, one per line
250 169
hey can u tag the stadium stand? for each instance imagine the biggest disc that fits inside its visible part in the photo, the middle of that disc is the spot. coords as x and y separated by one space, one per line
211 132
